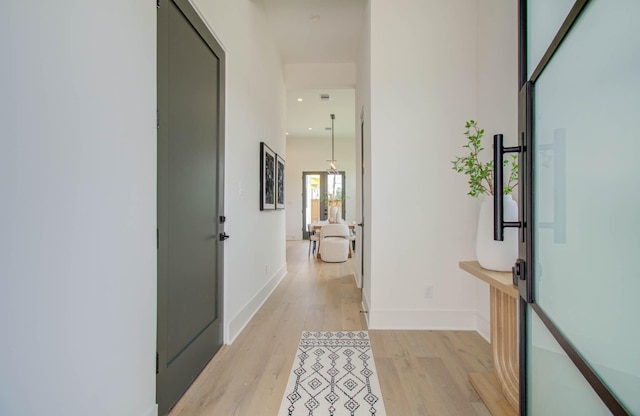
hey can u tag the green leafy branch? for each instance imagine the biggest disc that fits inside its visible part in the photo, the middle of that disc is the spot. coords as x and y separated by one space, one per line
513 176
481 174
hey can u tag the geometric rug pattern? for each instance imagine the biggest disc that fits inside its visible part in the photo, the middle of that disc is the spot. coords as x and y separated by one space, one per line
334 374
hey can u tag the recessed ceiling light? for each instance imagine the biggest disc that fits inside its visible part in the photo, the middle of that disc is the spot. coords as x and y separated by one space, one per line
314 18
287 133
299 99
310 128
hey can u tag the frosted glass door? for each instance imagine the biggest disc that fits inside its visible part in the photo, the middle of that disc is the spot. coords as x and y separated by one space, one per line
586 209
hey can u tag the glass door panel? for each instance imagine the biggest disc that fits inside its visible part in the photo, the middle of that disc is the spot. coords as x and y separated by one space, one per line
556 385
586 205
545 18
334 192
311 203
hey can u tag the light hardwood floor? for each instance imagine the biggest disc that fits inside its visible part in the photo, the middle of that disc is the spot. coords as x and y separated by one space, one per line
421 372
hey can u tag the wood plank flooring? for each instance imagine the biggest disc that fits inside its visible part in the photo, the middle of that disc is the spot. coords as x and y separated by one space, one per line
421 372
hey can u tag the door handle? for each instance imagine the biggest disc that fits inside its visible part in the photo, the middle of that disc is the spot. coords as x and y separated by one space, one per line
361 224
224 236
499 223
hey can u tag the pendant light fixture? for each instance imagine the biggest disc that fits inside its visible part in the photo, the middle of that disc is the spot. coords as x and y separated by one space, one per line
333 163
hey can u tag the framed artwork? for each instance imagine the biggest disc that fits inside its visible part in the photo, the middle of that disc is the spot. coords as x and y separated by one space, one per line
267 177
279 182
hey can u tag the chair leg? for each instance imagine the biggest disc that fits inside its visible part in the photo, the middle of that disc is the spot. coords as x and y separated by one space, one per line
310 241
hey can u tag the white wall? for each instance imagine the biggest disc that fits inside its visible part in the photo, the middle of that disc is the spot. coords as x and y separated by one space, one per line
78 210
308 154
423 88
363 109
497 98
255 254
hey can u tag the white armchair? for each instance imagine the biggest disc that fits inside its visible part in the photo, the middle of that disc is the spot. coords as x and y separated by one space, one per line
334 243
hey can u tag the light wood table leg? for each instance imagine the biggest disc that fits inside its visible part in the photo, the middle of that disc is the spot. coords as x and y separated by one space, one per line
504 344
500 390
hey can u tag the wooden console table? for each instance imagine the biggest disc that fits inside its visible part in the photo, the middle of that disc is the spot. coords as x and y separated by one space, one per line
499 391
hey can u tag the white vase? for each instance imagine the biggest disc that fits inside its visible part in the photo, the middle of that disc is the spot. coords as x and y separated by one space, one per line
333 214
497 255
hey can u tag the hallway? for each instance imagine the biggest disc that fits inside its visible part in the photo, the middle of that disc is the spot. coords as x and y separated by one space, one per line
421 372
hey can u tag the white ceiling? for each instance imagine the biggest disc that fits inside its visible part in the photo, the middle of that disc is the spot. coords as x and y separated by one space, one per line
317 31
314 113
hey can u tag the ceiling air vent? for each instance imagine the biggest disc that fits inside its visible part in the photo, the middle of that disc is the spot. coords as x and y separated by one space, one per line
324 97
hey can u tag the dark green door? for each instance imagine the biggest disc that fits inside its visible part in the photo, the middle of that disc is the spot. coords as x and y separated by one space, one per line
189 199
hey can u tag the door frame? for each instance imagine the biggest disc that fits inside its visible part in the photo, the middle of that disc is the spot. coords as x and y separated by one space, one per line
524 270
198 24
361 223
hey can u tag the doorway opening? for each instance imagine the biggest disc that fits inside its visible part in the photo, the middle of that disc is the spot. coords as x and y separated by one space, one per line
321 190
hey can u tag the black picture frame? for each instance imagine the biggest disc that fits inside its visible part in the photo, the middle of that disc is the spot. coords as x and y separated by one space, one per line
267 177
280 192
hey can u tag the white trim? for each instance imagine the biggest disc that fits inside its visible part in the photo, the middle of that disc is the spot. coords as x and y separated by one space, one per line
357 277
483 327
242 318
153 411
422 319
206 23
365 308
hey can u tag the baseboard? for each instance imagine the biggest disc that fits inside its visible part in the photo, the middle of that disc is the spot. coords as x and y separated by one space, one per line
357 278
242 318
365 308
483 327
153 411
422 319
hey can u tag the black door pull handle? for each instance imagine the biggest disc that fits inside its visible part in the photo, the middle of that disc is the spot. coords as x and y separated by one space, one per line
499 223
224 236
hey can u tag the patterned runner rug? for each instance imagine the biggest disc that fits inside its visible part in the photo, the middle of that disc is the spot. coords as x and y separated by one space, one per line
333 375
